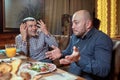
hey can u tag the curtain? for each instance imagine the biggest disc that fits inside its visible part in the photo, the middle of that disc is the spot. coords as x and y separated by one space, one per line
54 9
76 5
53 13
108 13
118 18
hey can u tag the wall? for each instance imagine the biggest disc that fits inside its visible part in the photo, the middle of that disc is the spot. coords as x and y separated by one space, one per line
1 17
54 9
6 38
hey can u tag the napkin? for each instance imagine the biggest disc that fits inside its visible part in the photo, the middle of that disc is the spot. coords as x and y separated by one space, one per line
61 76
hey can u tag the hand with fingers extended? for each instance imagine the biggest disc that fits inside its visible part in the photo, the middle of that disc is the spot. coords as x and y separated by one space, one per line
54 54
43 27
24 31
75 56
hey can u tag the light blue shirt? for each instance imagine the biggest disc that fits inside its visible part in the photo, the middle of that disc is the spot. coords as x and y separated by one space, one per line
37 45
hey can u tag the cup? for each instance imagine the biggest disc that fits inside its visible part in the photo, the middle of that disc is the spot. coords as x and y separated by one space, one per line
10 50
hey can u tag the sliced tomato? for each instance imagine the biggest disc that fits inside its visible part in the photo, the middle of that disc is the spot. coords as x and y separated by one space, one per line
43 69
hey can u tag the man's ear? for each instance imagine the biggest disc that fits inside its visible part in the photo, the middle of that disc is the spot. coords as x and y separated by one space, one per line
88 24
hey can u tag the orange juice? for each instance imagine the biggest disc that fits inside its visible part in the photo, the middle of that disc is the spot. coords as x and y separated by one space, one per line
11 52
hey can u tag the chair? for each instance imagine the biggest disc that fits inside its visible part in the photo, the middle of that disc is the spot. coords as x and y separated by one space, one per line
115 65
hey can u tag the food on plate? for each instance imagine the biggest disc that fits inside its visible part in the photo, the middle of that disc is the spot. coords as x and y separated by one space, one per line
37 77
15 65
8 70
25 75
1 73
38 67
10 67
43 67
6 76
5 68
15 77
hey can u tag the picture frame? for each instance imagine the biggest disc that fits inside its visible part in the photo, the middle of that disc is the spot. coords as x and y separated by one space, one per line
14 11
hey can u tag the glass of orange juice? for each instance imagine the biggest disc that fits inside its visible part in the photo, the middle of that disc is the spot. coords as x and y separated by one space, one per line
10 50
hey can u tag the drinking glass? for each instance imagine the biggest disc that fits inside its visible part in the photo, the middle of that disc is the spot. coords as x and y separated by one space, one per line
10 50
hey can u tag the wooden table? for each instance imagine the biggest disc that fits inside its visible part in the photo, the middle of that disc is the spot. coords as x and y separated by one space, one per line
57 71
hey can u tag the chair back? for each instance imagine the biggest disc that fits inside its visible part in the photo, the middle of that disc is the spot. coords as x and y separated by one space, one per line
115 65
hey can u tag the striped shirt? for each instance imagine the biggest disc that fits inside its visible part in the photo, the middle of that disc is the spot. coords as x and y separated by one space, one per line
37 45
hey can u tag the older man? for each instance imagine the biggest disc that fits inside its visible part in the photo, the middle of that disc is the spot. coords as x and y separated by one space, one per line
35 42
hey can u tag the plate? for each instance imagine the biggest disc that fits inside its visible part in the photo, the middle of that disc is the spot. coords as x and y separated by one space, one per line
37 67
13 58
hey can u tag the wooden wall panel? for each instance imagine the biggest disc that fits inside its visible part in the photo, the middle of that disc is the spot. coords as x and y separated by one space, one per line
1 17
6 38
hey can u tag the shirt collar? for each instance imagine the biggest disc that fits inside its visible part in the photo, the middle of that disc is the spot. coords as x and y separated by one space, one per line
88 34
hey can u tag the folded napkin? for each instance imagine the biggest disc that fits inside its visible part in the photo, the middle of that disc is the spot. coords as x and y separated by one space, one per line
61 76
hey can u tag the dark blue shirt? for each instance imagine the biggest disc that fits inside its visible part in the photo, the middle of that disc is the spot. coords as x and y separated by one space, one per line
95 54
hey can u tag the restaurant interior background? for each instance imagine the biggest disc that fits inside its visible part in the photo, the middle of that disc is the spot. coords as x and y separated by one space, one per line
58 12
54 10
57 16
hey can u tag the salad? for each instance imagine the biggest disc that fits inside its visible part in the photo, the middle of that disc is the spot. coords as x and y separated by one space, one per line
43 67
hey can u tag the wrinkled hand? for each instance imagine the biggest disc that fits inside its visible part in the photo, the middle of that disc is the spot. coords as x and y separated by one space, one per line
54 54
74 57
23 31
43 27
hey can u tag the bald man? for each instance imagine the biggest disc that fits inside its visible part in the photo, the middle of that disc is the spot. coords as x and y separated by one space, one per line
89 50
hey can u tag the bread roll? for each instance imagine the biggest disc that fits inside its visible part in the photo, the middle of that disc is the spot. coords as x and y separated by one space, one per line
6 76
1 74
15 77
5 68
15 65
25 75
37 77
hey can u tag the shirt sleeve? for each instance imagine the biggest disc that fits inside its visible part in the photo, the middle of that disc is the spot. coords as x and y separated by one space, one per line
98 65
21 45
68 50
50 40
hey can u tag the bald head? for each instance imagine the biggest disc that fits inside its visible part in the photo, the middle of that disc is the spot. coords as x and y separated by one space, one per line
82 22
83 14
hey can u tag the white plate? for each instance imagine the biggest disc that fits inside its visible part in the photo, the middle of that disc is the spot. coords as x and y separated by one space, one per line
13 58
24 68
7 59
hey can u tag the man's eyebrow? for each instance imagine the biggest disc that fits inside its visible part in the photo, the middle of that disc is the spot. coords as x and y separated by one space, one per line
75 21
30 25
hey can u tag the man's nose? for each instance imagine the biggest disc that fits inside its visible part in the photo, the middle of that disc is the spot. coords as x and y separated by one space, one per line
34 27
73 26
